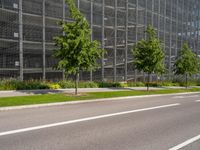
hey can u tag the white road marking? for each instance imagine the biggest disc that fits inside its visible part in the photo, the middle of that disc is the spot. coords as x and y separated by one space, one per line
84 119
186 96
188 142
197 100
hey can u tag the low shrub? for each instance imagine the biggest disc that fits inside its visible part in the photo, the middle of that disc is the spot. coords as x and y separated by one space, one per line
153 84
66 84
13 84
22 85
88 85
112 84
54 86
136 84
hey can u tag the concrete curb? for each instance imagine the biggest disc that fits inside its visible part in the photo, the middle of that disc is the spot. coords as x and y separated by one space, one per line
88 101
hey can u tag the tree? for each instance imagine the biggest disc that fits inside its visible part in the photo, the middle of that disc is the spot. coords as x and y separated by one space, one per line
75 50
187 63
148 55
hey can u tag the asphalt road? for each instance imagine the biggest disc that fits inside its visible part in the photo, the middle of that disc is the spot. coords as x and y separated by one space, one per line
151 123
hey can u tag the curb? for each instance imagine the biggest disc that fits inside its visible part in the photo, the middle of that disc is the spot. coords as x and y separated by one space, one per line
88 101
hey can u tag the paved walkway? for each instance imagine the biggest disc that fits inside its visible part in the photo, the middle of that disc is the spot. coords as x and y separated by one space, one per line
35 92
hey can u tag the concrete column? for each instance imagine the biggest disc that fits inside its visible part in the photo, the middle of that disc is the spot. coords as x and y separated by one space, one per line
63 19
115 45
136 35
21 77
170 42
4 61
126 44
103 40
91 25
43 41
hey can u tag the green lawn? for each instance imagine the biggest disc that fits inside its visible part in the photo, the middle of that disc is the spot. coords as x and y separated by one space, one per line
52 98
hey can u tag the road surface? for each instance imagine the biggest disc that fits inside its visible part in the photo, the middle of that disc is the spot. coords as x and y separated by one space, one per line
149 123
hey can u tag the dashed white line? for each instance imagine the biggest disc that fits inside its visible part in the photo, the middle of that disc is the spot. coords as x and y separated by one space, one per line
184 144
197 100
84 119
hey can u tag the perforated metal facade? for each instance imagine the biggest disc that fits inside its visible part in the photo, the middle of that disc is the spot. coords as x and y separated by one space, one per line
27 28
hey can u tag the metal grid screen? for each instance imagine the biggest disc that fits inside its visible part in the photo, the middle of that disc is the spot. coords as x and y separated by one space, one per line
27 29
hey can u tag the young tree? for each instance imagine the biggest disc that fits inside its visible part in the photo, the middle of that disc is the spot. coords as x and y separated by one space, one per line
148 55
76 51
187 63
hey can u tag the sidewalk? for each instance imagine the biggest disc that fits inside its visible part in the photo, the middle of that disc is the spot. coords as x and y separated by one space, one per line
35 92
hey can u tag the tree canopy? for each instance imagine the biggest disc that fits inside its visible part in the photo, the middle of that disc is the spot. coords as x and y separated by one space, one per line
187 62
148 54
75 50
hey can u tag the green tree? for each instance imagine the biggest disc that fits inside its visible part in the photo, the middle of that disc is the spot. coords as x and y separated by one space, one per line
187 63
75 50
148 55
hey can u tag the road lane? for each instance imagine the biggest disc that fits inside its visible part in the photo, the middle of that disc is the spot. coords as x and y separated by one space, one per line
157 129
17 119
84 119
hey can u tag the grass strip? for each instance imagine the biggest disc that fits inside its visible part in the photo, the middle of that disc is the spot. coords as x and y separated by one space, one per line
53 98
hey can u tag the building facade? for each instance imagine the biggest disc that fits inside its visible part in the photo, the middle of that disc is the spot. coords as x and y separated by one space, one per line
27 29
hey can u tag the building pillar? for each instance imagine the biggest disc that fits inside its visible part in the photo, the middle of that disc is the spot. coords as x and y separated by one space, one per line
126 43
198 25
115 45
63 19
177 26
103 40
43 42
4 60
136 36
91 26
21 68
170 42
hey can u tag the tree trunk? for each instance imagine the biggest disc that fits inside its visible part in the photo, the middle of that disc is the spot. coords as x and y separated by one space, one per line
148 80
186 81
76 83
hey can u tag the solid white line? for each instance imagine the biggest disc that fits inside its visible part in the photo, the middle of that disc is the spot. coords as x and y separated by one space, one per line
186 96
182 145
84 119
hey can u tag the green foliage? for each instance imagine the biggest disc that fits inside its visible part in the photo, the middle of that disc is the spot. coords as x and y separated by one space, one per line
187 62
54 86
112 85
148 54
22 85
66 84
88 85
170 83
136 84
76 51
71 84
